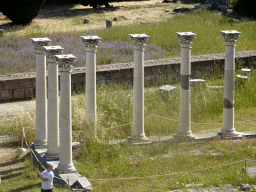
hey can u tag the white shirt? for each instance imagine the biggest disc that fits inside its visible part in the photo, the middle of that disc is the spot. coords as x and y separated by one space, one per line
49 183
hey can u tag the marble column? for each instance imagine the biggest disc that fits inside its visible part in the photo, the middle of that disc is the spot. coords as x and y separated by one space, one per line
91 45
53 103
184 131
139 42
228 129
41 92
65 157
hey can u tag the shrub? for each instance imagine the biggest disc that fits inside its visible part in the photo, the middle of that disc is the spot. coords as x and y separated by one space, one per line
21 12
245 8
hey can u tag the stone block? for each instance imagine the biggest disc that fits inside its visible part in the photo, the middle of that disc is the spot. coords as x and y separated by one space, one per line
108 23
6 95
245 187
197 82
246 71
1 85
29 93
203 6
181 9
104 75
127 73
11 84
18 94
167 89
86 21
25 83
79 86
115 75
77 78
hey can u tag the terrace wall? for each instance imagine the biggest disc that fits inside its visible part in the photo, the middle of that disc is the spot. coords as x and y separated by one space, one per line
22 86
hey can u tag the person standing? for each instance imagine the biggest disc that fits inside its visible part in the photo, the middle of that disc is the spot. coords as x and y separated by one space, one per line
47 178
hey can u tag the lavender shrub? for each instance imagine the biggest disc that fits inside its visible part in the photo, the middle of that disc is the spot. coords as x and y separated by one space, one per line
18 54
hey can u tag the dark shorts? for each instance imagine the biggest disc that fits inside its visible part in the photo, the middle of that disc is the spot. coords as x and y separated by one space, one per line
46 190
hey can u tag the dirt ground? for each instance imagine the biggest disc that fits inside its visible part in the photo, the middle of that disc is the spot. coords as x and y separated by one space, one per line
53 18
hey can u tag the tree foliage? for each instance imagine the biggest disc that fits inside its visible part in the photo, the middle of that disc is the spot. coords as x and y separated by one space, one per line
21 12
245 8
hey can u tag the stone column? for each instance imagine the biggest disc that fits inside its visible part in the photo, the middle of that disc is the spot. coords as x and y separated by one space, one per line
228 129
91 45
184 131
53 103
139 43
41 93
65 158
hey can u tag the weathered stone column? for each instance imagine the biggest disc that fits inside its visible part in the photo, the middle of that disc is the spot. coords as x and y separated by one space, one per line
228 129
53 141
41 92
184 131
65 158
91 45
139 43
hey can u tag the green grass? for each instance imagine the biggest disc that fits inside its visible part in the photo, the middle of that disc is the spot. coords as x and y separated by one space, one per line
20 175
165 166
207 25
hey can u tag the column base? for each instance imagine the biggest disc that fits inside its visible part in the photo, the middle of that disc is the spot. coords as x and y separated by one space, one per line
63 169
138 140
51 157
40 144
233 135
184 137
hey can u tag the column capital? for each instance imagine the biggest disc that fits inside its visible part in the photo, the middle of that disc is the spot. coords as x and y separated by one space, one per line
139 39
186 37
91 41
230 35
40 42
50 51
65 62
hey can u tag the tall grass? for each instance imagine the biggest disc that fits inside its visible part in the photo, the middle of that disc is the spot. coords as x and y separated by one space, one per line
161 111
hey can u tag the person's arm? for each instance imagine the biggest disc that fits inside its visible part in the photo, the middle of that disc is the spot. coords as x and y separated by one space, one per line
41 177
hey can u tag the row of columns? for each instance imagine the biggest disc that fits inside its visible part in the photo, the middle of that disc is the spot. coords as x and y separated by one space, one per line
59 143
54 126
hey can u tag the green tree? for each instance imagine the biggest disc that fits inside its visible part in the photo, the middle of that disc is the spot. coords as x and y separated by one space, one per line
245 8
21 12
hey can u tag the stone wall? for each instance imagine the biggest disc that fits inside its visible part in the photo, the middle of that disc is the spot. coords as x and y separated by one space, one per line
22 86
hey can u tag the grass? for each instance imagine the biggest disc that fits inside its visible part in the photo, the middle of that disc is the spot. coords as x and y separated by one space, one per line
19 174
164 167
160 166
163 43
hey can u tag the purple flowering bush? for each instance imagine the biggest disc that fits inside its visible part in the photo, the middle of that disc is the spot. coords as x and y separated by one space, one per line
18 55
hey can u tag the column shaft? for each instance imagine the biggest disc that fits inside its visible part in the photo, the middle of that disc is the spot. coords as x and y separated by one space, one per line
228 128
90 94
91 45
53 112
184 131
65 157
138 94
139 43
41 94
185 107
41 101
